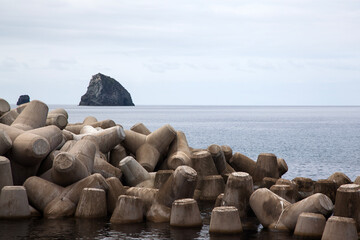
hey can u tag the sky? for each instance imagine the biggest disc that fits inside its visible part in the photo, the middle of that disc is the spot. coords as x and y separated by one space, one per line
205 52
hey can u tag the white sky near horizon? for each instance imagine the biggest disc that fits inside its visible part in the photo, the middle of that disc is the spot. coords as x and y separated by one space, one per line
206 52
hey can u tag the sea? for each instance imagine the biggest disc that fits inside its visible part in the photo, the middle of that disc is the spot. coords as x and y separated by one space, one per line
315 142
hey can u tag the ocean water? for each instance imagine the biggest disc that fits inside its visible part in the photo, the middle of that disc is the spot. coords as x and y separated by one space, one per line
314 141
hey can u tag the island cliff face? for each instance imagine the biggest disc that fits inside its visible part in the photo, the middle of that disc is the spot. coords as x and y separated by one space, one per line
105 91
23 99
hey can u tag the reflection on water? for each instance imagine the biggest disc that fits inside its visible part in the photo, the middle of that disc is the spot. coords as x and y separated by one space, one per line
73 228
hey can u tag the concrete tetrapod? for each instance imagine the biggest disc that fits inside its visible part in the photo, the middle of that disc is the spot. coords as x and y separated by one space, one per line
181 184
267 182
339 178
140 128
161 177
203 165
30 148
340 228
5 173
275 212
149 148
282 166
185 213
292 184
55 201
219 200
347 203
225 220
228 152
268 207
147 195
242 163
4 106
218 157
266 166
310 225
33 116
9 117
14 202
212 186
105 168
129 209
70 167
115 190
92 204
76 128
133 172
5 142
238 190
56 119
106 139
117 154
305 186
317 203
179 152
285 191
327 187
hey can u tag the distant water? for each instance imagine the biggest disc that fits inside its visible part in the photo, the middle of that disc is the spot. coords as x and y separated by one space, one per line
314 141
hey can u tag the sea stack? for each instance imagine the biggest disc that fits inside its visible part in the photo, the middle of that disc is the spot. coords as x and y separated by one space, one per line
105 91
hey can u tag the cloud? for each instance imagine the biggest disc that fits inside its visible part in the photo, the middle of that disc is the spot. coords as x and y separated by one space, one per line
240 44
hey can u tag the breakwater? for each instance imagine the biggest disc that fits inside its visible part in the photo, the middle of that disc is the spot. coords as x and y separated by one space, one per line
201 157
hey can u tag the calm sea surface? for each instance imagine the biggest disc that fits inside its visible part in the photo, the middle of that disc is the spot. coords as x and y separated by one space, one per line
314 141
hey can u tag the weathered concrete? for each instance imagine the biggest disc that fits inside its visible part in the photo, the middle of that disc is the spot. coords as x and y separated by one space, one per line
242 163
310 225
33 116
275 212
133 172
219 200
212 186
76 128
203 165
5 142
339 178
266 166
140 128
92 204
129 209
347 203
228 152
115 190
181 184
117 154
305 186
4 106
185 213
225 220
317 203
5 173
327 187
285 191
238 190
179 152
340 228
14 202
149 148
161 177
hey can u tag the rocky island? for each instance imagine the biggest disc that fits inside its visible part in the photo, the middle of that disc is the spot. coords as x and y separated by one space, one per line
105 91
23 99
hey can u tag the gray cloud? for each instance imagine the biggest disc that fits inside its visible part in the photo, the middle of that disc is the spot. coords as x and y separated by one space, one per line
242 44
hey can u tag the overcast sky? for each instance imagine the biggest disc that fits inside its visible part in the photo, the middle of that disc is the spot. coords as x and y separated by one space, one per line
271 52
